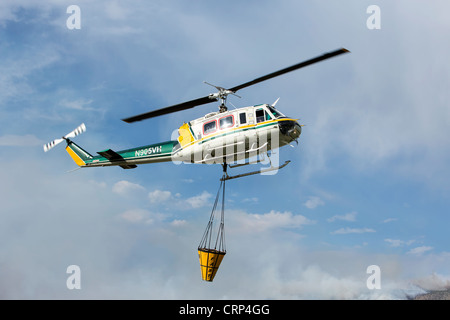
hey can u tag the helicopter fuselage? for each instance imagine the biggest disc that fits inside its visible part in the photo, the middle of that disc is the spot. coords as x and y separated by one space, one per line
234 135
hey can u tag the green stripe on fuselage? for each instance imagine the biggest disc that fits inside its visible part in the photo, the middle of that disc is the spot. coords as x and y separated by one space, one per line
149 151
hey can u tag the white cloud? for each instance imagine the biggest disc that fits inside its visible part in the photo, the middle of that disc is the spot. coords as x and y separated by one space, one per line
98 184
406 114
389 220
158 196
79 104
126 187
398 243
313 202
27 140
116 12
252 200
351 216
178 223
200 200
252 222
352 230
420 250
135 215
163 196
146 217
14 71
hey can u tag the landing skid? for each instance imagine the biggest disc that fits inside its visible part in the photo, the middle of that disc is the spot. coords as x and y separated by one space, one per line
227 177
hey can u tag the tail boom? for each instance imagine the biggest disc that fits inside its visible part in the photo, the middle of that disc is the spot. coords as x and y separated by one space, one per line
127 159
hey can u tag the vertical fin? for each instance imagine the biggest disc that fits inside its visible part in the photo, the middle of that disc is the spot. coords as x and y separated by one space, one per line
78 154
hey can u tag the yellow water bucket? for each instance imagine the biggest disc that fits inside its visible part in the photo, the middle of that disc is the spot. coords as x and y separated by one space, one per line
210 260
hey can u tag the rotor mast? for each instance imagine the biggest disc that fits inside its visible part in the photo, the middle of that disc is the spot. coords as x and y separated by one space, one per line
221 94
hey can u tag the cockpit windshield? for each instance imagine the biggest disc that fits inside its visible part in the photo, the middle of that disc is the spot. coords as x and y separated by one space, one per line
276 113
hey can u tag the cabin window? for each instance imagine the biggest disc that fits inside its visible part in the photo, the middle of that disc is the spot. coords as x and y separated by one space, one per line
262 115
209 127
243 118
226 122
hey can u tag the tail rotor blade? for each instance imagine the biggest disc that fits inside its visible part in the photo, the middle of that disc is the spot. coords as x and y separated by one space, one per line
50 145
79 130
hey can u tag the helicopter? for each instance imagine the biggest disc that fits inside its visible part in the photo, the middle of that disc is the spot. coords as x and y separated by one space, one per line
222 137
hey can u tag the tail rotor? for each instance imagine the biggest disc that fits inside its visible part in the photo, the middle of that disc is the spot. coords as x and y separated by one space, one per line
79 130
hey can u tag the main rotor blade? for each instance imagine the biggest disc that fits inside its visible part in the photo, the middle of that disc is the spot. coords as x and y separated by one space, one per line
291 68
170 109
209 99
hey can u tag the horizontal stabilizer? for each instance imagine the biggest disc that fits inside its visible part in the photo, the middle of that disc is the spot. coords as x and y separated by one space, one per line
111 155
128 166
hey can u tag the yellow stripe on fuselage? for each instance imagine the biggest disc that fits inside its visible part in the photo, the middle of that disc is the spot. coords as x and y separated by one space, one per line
75 157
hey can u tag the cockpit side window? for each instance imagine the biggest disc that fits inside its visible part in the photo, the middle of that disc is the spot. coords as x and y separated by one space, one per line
276 113
259 115
262 115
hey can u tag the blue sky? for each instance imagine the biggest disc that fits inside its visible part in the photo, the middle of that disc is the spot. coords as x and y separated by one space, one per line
367 185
